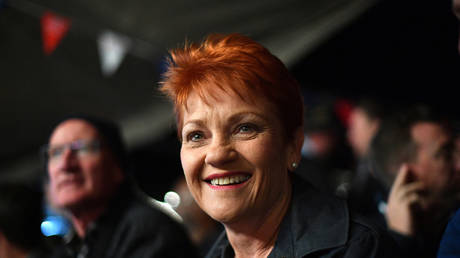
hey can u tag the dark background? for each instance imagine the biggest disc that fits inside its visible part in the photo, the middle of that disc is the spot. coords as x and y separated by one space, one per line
398 51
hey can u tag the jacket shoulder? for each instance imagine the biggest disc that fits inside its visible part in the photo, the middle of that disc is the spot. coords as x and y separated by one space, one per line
367 239
144 230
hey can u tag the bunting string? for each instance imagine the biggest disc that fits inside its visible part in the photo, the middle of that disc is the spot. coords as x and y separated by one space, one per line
112 45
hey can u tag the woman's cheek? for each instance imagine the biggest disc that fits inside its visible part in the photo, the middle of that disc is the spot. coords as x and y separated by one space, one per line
190 165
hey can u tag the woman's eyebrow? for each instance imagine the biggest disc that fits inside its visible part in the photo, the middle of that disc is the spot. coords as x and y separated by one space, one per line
197 122
241 115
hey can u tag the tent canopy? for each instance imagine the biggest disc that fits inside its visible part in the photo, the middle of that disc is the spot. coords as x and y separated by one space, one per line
345 46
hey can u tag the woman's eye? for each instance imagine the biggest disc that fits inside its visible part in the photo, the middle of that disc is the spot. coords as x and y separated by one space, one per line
195 136
246 128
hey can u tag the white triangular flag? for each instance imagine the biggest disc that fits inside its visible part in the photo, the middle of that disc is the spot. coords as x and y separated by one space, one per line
112 49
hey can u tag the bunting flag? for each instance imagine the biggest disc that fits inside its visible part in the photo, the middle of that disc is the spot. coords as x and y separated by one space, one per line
343 109
112 49
54 28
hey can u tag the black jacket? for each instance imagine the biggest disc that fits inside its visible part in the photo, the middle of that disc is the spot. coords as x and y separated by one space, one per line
131 228
320 225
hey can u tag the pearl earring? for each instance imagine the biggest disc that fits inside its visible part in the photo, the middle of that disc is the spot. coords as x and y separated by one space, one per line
294 165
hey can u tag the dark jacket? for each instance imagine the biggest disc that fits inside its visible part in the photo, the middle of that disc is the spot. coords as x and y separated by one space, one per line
131 228
319 225
450 243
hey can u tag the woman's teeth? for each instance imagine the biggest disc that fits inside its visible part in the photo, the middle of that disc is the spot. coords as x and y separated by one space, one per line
229 180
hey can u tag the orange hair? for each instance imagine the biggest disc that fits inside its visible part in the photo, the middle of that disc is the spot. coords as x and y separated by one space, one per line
233 63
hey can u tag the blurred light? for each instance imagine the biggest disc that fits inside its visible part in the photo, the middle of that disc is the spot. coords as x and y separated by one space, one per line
53 226
166 208
172 198
309 149
382 206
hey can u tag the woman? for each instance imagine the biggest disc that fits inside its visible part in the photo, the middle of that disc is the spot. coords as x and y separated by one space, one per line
239 117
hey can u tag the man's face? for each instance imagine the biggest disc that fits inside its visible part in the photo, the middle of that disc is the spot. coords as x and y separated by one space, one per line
456 162
83 174
433 163
362 129
456 9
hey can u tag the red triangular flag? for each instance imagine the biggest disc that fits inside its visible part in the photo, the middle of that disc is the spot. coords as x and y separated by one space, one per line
54 28
343 109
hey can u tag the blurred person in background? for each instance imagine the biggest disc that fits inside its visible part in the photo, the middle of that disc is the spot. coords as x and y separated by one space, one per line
456 154
202 229
21 213
363 125
449 246
239 117
327 160
456 157
88 182
365 119
413 195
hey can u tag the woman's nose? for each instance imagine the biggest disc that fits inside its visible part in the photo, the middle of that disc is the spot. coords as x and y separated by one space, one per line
220 152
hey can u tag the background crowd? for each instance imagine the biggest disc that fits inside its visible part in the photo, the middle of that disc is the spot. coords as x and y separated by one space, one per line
396 163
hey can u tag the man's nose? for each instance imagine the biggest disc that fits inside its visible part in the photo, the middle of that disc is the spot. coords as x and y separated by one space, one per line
68 160
220 152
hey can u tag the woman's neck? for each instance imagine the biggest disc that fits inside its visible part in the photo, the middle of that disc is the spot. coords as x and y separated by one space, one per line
256 236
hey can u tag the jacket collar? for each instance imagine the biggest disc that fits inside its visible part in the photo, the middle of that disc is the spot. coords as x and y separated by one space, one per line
315 221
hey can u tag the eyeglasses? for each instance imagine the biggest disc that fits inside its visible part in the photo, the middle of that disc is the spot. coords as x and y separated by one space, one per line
80 148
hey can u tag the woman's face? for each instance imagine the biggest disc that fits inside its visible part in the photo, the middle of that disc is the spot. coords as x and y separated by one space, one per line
235 156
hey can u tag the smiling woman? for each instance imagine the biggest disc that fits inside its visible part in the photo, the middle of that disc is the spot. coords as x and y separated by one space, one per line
237 142
239 117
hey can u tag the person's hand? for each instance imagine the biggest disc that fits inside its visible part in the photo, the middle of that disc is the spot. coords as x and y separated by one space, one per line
406 200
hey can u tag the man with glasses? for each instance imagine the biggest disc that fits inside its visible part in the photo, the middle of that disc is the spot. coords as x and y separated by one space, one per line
88 181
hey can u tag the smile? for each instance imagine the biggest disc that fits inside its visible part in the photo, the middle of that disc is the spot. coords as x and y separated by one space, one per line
230 180
70 181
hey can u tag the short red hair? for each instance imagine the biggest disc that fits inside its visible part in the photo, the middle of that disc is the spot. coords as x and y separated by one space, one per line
233 63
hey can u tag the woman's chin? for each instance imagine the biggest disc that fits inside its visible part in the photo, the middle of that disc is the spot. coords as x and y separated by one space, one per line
224 214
